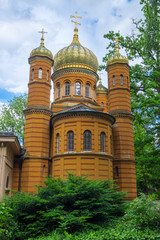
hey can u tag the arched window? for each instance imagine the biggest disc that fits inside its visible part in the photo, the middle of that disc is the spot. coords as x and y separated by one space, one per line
47 75
87 90
87 140
7 182
44 170
32 73
70 141
114 80
121 79
40 73
58 142
67 89
103 142
116 172
102 104
59 90
78 88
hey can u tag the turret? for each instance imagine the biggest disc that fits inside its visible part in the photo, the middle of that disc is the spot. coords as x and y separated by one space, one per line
120 107
37 114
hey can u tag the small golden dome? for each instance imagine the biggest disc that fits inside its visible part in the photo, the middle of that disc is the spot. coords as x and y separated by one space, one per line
100 88
75 55
42 50
117 57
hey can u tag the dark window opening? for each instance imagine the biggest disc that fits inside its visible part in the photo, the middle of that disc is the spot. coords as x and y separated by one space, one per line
70 141
87 140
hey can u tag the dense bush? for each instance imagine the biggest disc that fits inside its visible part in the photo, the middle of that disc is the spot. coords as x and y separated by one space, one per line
7 224
67 205
144 212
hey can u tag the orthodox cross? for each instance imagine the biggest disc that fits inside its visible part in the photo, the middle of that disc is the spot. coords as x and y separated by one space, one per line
43 32
76 17
100 74
117 46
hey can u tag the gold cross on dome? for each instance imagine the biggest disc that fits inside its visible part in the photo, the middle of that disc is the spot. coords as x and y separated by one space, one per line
76 17
100 74
43 32
117 46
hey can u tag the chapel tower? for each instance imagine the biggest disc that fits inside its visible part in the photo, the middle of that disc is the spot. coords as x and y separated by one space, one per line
119 103
37 114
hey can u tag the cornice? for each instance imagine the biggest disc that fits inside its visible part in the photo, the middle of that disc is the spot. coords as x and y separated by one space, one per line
38 109
36 157
64 115
73 99
122 113
117 160
30 59
82 154
36 81
118 88
74 70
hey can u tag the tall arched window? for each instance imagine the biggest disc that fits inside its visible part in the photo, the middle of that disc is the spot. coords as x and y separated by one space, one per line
102 104
7 182
103 141
44 170
114 80
121 79
87 90
59 90
58 142
116 172
87 140
47 75
40 73
32 73
67 89
78 88
70 141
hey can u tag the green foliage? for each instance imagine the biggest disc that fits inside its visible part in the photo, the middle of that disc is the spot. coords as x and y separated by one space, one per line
144 212
12 116
66 205
143 44
7 224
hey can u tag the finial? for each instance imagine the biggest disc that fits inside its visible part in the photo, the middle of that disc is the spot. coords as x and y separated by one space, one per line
75 38
42 38
76 17
117 46
100 73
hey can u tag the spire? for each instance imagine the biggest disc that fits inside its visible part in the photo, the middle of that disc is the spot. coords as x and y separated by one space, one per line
117 46
100 79
75 37
42 38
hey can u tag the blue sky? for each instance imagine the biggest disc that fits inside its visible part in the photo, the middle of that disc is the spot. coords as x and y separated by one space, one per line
20 21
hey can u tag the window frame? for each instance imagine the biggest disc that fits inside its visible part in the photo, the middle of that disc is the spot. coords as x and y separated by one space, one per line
70 141
40 73
78 88
58 142
67 88
87 140
102 141
87 90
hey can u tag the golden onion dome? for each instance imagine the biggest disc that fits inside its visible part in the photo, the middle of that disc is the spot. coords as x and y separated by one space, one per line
75 55
42 50
117 57
100 88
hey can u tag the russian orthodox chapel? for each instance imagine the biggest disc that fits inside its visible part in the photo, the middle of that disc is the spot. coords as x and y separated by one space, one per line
87 129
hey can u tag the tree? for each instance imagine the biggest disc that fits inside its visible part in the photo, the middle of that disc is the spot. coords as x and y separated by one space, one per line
144 44
73 204
12 117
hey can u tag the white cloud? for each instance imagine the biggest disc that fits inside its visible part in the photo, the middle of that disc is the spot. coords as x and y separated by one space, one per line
20 22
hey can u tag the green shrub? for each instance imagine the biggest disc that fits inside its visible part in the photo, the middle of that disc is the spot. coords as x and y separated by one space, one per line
144 212
7 225
67 205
